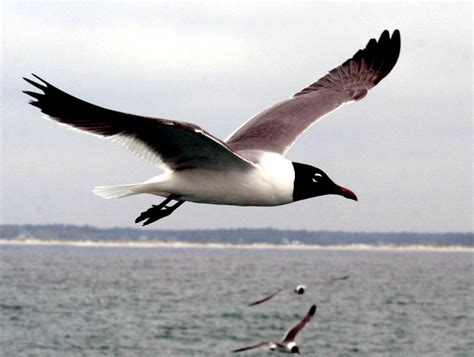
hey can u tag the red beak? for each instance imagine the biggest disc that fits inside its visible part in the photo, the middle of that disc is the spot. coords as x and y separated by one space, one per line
347 193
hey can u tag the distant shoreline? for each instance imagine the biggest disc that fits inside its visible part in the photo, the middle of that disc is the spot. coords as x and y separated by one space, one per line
239 237
262 246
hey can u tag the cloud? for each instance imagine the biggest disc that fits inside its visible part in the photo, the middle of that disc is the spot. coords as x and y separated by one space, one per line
126 46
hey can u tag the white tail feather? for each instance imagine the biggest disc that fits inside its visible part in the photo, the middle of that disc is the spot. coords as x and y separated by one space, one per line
116 191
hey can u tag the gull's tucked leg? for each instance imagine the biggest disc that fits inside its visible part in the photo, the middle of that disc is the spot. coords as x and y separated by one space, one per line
157 212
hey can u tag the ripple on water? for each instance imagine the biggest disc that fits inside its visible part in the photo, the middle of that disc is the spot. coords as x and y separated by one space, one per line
70 301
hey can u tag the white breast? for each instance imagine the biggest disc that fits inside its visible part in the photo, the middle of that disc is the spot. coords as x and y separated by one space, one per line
270 183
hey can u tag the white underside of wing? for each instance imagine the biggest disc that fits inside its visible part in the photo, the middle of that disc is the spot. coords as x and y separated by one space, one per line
144 152
140 149
134 145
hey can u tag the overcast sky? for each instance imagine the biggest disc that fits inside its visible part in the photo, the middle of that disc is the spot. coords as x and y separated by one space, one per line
405 149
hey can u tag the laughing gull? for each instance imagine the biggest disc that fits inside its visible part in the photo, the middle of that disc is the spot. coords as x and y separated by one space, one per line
246 169
287 344
300 289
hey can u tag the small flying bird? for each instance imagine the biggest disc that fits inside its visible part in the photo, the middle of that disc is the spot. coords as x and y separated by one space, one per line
287 344
246 169
333 279
300 289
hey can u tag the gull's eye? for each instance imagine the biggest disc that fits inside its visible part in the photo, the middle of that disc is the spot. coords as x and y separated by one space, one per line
317 177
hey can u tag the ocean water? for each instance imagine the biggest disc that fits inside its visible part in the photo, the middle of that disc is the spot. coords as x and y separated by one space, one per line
122 301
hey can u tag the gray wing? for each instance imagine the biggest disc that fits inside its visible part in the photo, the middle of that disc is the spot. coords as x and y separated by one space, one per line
291 334
266 298
258 345
170 144
276 128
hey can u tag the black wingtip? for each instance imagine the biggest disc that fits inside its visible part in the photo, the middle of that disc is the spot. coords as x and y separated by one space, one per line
312 310
397 41
33 94
387 52
384 36
43 85
35 84
139 218
40 79
378 57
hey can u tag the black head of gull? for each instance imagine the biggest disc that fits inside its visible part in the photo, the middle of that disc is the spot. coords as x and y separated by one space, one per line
300 289
313 182
295 349
248 168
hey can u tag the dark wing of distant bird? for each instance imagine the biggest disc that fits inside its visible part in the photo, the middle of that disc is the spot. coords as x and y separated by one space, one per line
171 144
258 345
337 278
266 298
276 128
291 334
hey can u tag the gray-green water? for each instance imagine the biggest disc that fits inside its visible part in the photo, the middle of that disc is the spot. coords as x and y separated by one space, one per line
89 301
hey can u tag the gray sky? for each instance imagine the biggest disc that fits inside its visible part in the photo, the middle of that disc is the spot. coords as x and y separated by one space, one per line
405 149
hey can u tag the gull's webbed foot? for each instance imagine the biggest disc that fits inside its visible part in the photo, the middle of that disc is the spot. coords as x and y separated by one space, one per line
157 212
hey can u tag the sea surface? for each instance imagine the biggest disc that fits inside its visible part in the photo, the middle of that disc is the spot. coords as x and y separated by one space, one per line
59 300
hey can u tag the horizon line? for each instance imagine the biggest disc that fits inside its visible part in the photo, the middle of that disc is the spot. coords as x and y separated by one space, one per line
235 228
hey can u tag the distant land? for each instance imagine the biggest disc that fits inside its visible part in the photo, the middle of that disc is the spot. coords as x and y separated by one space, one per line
239 236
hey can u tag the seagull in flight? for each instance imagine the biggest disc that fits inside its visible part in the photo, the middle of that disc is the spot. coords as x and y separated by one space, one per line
300 289
287 344
248 168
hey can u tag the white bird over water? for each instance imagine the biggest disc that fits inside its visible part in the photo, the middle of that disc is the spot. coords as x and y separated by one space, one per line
287 344
299 289
246 169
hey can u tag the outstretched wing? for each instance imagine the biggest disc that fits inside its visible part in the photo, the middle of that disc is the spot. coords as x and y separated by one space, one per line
167 143
291 334
331 280
276 128
258 345
266 298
